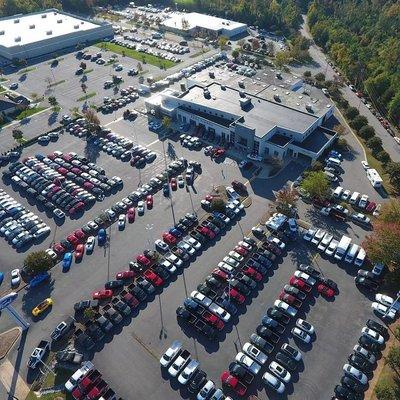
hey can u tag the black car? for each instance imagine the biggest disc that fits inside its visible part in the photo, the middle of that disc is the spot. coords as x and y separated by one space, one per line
206 290
183 314
343 393
267 334
213 282
308 269
241 287
272 324
208 331
197 382
261 343
84 304
199 237
138 292
161 272
352 384
369 344
376 326
278 315
114 284
365 282
286 361
291 352
359 362
246 280
329 282
104 324
122 307
294 292
94 331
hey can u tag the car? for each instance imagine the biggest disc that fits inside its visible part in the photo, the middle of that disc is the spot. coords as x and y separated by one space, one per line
140 207
309 234
170 353
294 292
67 261
153 278
160 245
102 294
342 392
366 282
384 311
131 213
200 298
355 373
197 382
125 275
300 284
79 250
352 384
378 269
360 218
115 284
58 213
90 243
206 390
121 221
219 312
278 315
169 238
369 344
273 382
188 372
149 201
280 372
286 360
291 352
15 277
364 353
248 363
331 249
359 362
300 334
42 306
325 290
305 326
363 201
309 270
143 260
372 334
386 300
255 353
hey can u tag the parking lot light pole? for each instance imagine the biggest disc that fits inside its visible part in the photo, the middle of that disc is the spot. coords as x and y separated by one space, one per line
169 191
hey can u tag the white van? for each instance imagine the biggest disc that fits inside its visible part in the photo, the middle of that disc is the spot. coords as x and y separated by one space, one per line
333 161
354 198
359 260
338 192
351 253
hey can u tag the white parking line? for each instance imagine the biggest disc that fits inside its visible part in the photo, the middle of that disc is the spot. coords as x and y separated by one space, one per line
151 144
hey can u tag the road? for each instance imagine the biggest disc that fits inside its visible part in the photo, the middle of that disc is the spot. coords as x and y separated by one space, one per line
320 64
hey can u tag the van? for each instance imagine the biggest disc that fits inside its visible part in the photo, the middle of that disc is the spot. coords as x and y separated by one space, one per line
333 161
359 260
338 192
354 198
351 253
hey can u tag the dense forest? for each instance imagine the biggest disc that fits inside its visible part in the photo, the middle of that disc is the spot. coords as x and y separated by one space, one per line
363 38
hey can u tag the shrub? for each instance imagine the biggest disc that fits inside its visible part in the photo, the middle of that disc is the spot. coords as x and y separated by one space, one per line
367 132
383 156
375 143
358 122
351 113
218 204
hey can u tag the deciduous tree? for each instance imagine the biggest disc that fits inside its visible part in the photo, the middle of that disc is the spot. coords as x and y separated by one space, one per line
38 261
316 184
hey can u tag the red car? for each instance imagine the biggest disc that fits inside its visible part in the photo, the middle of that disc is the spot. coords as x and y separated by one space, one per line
206 231
125 275
58 248
66 157
233 383
239 186
131 214
288 298
62 171
76 171
52 156
241 250
325 291
221 275
79 250
209 197
131 300
252 273
213 320
141 259
173 183
102 294
320 203
219 152
149 201
370 207
73 239
80 234
300 284
235 295
153 278
169 239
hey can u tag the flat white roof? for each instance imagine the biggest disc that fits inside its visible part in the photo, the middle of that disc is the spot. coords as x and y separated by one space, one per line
201 21
35 27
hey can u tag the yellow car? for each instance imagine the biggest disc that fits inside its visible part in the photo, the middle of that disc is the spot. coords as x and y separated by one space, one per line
44 305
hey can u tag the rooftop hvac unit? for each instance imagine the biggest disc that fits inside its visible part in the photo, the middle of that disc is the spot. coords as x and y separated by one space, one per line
59 21
48 33
309 108
2 32
245 102
32 26
17 39
242 93
16 21
277 98
44 15
76 26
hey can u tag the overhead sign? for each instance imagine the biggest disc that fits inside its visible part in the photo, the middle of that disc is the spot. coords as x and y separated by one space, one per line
7 299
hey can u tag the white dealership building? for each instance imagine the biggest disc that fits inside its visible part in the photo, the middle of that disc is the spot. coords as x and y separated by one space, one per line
26 36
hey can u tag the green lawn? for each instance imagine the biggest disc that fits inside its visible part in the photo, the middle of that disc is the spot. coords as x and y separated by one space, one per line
2 89
137 55
57 83
87 96
28 112
26 70
87 71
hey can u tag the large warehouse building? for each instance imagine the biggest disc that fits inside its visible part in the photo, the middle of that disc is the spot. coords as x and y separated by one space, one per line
32 35
193 23
280 124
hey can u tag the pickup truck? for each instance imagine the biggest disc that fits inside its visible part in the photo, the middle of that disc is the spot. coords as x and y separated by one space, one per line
69 356
78 376
100 387
290 299
241 373
83 340
212 320
63 328
179 363
205 329
86 384
112 314
121 306
129 299
108 395
233 383
38 354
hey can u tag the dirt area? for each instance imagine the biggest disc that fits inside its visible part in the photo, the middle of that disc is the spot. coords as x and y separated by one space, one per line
7 340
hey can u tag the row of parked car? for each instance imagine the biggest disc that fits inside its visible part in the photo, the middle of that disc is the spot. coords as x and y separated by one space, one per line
171 47
361 362
18 225
128 95
254 355
187 370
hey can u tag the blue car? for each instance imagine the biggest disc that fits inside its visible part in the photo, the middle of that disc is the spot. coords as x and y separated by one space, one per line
1 278
38 279
67 261
166 190
176 232
101 237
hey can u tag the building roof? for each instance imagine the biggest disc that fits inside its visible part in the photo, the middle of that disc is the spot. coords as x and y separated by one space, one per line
316 140
261 115
35 27
204 21
6 104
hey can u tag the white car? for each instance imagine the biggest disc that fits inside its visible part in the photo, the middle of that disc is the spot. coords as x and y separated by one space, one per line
90 242
375 336
277 242
365 164
323 245
187 248
226 267
363 201
255 353
236 256
383 311
365 353
174 260
318 237
15 277
121 221
231 192
330 250
238 204
169 266
245 245
280 372
307 278
231 261
285 307
219 312
325 211
299 333
306 326
200 298
177 365
192 242
140 207
384 299
346 195
309 234
171 353
355 373
206 390
361 218
161 245
248 362
188 372
273 382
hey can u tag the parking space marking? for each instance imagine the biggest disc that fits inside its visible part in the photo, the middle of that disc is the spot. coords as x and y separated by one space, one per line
145 347
115 120
151 144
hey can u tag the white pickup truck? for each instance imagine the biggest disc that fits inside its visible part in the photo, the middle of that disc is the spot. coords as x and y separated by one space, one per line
38 353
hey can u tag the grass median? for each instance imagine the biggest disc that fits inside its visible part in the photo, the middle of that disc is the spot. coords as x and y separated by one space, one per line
137 55
29 112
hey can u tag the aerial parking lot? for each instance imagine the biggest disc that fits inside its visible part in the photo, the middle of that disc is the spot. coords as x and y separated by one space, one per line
176 270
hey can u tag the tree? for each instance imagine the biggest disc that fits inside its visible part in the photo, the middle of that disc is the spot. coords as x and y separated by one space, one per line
38 261
390 211
53 101
93 120
375 143
83 65
394 109
222 41
382 245
393 358
166 123
339 129
286 200
307 74
316 184
358 122
393 170
352 112
281 58
34 97
218 204
255 44
320 77
17 134
89 313
384 391
383 156
367 132
235 53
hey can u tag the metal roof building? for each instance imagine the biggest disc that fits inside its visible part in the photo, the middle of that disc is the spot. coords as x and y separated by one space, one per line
25 36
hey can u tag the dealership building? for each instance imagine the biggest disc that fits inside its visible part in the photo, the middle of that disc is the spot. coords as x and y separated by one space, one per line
32 35
194 23
280 124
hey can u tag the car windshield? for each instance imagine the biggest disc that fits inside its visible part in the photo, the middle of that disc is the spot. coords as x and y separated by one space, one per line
306 325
